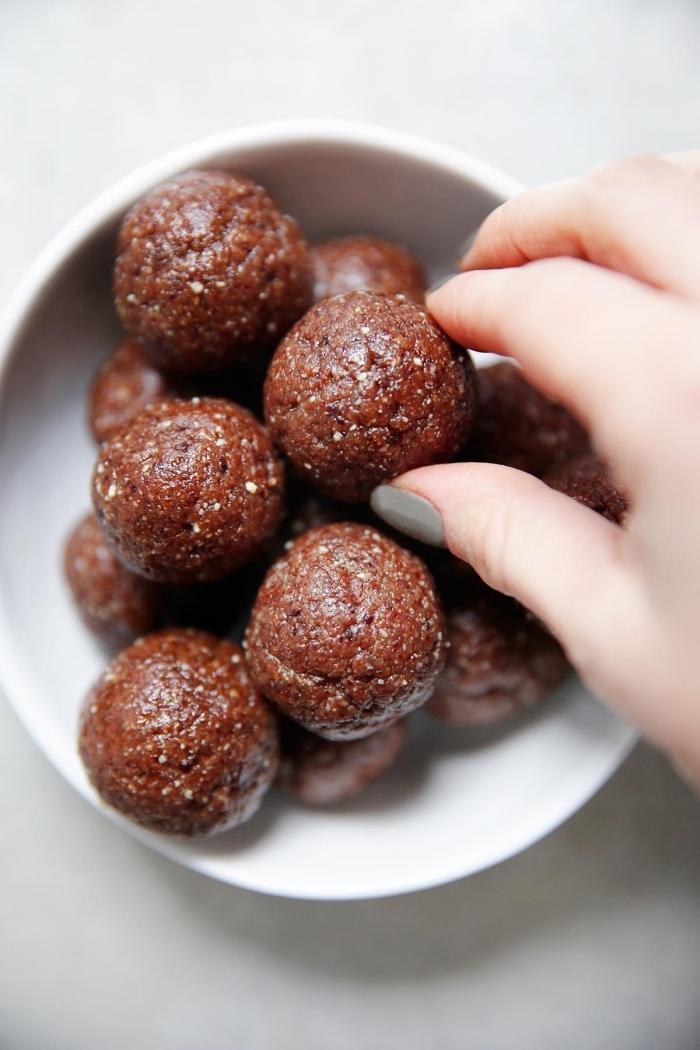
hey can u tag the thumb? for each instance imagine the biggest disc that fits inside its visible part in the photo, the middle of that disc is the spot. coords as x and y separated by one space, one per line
561 560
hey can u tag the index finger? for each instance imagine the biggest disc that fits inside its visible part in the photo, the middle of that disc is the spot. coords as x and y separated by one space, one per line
638 216
591 339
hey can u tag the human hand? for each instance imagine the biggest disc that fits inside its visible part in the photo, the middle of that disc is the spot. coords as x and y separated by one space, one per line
593 286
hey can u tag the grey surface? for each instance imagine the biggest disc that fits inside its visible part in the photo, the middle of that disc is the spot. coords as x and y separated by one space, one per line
589 940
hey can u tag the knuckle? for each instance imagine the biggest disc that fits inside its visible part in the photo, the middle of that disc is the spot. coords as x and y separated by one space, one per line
622 171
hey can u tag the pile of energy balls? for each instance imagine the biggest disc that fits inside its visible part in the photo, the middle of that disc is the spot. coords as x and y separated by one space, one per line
262 391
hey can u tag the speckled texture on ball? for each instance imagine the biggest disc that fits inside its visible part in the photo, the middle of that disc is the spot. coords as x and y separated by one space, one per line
500 661
520 427
365 264
124 384
347 632
115 604
325 772
588 481
176 736
188 491
366 387
209 272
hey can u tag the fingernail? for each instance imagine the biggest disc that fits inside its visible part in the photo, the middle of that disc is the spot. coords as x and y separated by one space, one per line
439 283
411 514
467 244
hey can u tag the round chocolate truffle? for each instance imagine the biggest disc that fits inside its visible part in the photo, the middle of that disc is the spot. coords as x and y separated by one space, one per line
365 264
124 384
366 387
588 481
209 272
500 660
189 490
520 427
116 605
347 632
176 736
324 772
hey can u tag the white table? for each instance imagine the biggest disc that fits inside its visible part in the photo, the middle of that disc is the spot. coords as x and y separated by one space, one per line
591 939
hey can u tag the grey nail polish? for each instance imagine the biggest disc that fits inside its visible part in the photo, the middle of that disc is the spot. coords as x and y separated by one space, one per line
409 513
439 283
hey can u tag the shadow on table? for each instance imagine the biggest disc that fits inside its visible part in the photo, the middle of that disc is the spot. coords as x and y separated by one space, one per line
625 840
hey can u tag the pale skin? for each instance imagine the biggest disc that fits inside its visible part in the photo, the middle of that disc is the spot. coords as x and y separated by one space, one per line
593 286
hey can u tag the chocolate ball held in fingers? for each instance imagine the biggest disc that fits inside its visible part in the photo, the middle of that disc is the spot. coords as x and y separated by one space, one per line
365 387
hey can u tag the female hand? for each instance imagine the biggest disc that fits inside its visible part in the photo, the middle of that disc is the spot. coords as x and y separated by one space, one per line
593 286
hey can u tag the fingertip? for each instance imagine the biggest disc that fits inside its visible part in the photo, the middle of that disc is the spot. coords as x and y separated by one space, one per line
441 291
439 284
457 306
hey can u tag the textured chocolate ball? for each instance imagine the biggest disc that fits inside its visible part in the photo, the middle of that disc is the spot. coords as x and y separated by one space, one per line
520 427
365 264
189 490
209 272
588 481
346 633
500 661
366 387
124 384
175 735
115 604
324 772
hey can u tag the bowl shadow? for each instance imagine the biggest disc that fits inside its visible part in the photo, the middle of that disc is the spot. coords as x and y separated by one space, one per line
617 847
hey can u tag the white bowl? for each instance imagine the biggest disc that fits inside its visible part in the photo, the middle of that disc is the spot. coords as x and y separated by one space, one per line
459 801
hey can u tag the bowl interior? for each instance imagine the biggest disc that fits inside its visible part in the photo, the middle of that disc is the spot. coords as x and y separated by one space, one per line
458 801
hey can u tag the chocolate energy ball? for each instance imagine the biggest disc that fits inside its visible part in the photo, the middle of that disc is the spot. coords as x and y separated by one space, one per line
347 633
189 490
116 605
209 272
520 427
366 387
500 660
365 264
124 384
175 735
324 772
588 481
